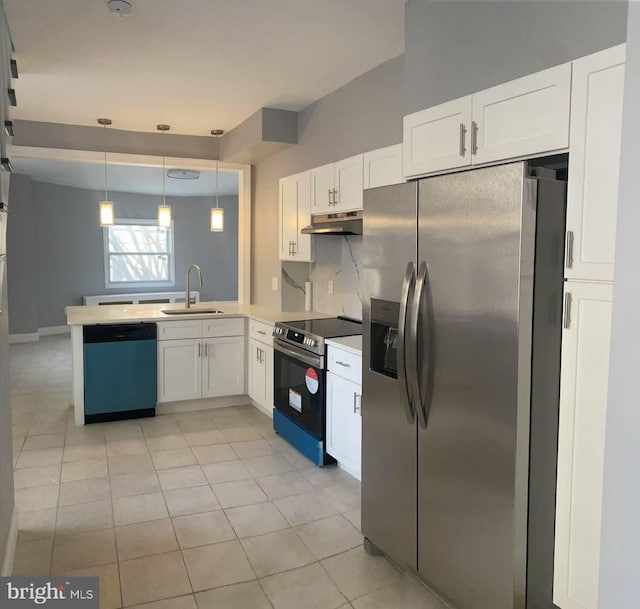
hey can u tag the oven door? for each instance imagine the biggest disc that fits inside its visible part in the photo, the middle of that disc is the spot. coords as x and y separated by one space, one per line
299 386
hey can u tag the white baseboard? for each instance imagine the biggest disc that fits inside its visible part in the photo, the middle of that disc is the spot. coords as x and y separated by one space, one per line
51 330
31 337
204 404
263 409
34 337
10 548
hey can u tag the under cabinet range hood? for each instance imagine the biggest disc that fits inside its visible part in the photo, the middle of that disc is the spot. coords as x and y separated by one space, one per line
344 223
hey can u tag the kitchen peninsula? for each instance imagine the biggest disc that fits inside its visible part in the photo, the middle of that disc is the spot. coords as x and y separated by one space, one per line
201 357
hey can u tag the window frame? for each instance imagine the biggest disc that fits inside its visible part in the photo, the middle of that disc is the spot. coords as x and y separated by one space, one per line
112 285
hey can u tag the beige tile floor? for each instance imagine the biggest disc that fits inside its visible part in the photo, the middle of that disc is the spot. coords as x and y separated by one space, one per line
201 510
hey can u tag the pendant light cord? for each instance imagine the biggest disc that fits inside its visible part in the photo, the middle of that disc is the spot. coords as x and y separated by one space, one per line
217 189
106 196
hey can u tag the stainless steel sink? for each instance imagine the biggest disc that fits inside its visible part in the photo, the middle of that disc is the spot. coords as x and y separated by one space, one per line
193 311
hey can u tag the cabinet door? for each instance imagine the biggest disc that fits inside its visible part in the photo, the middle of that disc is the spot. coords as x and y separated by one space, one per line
348 184
344 423
581 439
288 216
383 167
179 370
437 138
257 381
592 197
526 116
322 185
223 367
303 245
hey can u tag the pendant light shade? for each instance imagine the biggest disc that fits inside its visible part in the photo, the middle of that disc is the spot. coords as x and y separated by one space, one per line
107 215
164 216
164 210
217 219
217 213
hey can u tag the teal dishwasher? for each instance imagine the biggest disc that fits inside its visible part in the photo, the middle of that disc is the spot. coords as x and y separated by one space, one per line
120 371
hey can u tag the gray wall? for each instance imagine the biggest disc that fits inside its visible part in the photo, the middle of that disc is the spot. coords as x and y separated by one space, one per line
6 441
452 49
457 48
619 582
22 247
64 233
363 115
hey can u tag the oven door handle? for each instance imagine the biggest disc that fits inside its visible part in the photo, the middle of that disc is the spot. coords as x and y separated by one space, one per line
311 360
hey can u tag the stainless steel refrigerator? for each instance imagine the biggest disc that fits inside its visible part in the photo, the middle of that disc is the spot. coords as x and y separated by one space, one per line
462 278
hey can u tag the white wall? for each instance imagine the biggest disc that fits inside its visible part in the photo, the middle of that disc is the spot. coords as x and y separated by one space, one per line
619 580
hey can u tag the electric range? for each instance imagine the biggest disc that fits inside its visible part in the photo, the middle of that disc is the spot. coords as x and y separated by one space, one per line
300 381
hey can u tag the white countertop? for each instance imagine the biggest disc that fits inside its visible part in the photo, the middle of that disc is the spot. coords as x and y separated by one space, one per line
352 344
114 314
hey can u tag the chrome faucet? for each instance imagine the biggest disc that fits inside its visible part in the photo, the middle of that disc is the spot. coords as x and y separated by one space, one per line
187 301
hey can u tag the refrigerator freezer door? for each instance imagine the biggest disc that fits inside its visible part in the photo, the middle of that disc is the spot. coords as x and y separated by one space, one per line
473 227
389 476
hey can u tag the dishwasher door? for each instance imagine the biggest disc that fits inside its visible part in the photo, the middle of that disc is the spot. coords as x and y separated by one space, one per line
120 371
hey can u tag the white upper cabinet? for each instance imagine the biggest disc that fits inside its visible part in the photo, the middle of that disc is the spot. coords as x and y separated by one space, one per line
322 189
592 197
295 214
437 138
383 167
581 442
526 116
348 184
520 118
337 187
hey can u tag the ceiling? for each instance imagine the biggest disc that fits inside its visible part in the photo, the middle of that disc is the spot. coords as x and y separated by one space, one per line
196 65
123 178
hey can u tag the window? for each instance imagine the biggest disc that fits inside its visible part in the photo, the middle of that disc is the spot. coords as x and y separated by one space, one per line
138 253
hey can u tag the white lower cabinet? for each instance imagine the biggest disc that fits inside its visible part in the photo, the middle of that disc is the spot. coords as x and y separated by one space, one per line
581 441
344 416
223 366
179 370
260 364
201 367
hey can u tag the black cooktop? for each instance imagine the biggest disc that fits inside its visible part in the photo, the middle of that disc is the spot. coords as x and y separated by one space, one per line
327 328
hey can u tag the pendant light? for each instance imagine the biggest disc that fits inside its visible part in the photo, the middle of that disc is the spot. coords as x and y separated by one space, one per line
107 215
217 213
164 210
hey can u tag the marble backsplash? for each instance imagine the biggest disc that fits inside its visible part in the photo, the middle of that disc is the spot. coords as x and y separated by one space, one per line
337 259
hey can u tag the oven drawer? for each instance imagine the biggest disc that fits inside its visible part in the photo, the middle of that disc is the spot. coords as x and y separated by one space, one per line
261 332
344 364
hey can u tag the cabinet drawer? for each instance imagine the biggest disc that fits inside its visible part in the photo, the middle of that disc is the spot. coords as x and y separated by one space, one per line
345 364
261 332
232 326
175 330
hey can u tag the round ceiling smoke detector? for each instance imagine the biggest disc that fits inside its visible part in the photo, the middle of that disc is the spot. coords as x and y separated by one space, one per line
120 7
183 174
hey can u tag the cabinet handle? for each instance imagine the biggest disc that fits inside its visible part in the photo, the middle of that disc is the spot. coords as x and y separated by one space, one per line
569 253
199 349
567 310
355 402
12 97
474 137
344 364
331 200
294 247
206 350
335 196
261 356
261 332
463 139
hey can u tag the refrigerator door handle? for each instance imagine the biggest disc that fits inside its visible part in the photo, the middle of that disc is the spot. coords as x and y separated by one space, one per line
407 293
413 340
